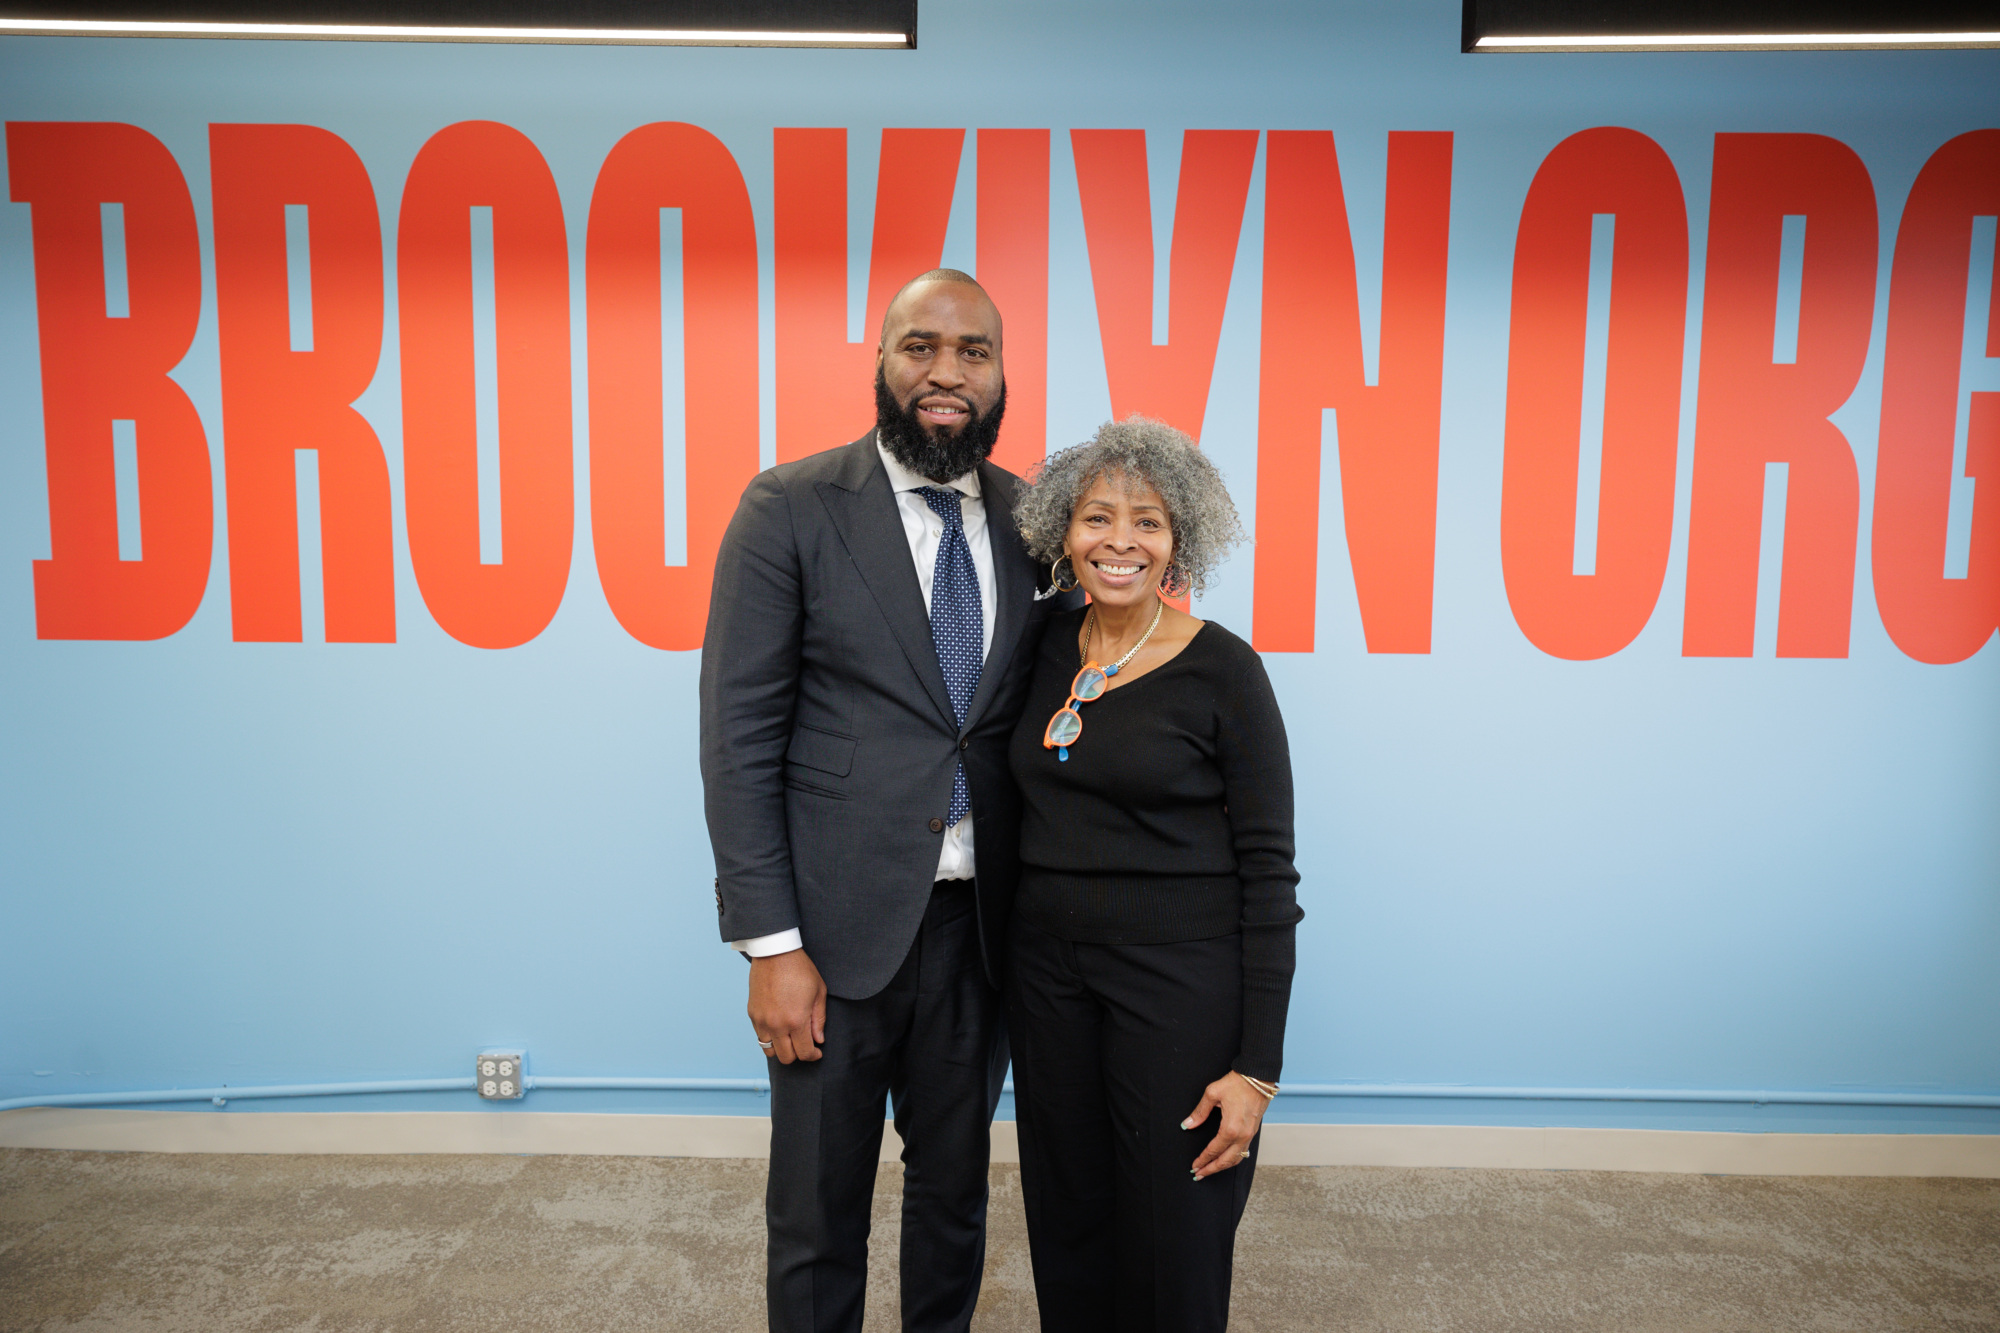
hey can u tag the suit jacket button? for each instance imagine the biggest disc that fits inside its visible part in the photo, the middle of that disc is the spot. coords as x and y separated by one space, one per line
937 826
965 744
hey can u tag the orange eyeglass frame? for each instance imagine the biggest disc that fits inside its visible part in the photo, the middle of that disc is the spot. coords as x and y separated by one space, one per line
1090 683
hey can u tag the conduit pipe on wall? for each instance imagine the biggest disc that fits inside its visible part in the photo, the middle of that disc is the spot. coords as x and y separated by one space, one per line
1455 1092
1381 1091
225 1094
220 1096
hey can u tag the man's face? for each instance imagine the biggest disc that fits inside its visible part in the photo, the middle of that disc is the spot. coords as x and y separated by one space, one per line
940 390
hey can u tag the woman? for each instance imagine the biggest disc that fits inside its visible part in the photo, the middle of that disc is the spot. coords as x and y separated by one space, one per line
1152 937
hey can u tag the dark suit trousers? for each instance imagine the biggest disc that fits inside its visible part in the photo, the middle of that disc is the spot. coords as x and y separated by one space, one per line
933 1044
1113 1044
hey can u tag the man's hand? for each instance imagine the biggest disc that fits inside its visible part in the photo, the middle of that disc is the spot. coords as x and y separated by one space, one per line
788 1005
1242 1109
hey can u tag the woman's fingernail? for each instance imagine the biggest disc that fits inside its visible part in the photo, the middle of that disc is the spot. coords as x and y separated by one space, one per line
1188 1123
1194 1175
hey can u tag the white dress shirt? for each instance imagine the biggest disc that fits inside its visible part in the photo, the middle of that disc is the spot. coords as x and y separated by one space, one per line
924 530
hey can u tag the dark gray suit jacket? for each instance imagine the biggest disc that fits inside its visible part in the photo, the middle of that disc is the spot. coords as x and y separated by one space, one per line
828 742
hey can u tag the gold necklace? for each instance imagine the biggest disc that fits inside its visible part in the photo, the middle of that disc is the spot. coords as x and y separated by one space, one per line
1090 629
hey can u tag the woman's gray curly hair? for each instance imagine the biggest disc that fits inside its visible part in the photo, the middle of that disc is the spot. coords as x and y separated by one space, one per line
1200 514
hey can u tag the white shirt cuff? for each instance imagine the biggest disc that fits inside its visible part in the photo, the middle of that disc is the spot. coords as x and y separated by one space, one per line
765 945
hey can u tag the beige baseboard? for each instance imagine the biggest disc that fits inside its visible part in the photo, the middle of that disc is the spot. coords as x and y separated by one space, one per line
531 1132
558 1132
1693 1151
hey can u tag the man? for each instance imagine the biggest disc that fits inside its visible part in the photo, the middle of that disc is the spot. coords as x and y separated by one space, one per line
873 627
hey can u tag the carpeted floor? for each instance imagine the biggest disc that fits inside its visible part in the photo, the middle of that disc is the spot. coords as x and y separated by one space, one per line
215 1244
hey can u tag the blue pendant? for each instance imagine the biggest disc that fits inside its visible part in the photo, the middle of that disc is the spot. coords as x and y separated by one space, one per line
1062 754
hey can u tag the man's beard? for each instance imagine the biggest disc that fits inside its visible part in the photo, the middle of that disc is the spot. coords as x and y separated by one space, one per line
939 457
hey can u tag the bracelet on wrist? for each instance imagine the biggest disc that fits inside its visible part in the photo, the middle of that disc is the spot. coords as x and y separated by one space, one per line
1267 1090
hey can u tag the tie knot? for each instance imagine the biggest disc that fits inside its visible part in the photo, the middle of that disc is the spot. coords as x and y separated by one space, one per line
945 503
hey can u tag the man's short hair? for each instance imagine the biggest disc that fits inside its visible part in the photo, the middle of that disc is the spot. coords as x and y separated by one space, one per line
941 275
935 275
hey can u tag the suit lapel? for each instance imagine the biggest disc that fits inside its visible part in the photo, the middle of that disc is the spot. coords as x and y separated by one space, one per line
1013 585
863 509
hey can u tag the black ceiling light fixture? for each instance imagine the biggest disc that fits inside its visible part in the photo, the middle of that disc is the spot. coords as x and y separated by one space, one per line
1728 25
879 24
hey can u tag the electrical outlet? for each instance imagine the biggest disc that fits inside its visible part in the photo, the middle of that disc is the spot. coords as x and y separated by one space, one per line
502 1075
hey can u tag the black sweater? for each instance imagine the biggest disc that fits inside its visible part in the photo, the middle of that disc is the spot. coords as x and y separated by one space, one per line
1171 820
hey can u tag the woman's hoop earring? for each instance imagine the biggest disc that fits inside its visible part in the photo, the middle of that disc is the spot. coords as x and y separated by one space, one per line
1174 581
1055 574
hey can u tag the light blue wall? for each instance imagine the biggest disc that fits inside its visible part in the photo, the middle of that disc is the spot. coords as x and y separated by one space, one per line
256 863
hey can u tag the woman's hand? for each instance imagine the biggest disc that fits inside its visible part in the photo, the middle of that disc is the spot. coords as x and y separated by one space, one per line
1242 1114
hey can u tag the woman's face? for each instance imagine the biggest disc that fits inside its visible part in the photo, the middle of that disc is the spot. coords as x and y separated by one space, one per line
1119 541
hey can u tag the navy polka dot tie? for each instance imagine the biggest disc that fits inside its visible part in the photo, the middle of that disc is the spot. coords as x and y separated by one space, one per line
957 623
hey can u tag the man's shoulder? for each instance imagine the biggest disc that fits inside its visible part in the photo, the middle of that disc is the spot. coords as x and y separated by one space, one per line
777 490
842 464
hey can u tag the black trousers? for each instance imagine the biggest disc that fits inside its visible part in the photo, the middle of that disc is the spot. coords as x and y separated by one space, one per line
1113 1045
934 1044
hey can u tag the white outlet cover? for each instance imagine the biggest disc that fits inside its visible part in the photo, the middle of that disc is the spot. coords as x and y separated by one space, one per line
500 1075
